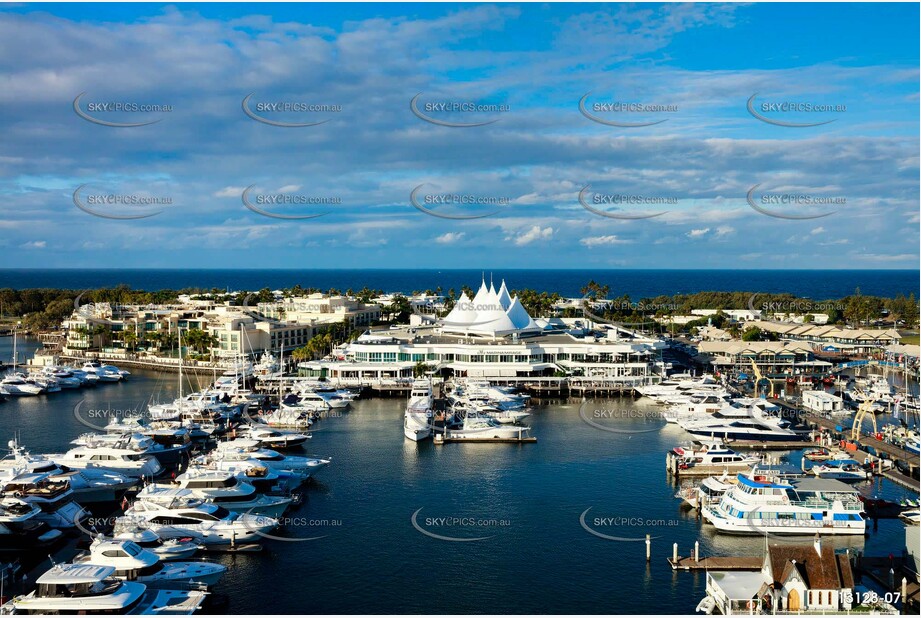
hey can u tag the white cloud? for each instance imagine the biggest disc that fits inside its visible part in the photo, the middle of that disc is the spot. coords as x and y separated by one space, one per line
536 232
698 233
289 189
594 241
230 192
817 230
449 238
724 230
35 244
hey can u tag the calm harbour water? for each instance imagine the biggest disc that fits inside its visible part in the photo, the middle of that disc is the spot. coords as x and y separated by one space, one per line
372 559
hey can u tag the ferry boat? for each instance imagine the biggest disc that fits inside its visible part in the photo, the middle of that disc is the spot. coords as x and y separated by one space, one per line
134 563
762 503
417 418
93 589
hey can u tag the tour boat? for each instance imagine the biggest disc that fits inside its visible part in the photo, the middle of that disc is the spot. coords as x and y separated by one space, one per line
762 503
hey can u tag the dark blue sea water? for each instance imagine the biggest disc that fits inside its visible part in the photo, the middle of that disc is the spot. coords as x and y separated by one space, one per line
816 284
538 559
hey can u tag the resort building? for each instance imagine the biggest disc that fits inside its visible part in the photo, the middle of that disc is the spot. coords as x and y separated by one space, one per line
285 324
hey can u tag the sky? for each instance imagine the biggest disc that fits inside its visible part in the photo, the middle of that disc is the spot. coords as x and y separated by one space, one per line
541 181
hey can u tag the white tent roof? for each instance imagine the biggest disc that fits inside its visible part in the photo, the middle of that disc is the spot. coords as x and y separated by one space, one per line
504 299
462 314
489 313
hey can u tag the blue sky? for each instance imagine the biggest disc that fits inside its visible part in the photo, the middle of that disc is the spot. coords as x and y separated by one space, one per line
703 61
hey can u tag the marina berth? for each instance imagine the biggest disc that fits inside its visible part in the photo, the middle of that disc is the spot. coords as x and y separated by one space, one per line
94 589
761 504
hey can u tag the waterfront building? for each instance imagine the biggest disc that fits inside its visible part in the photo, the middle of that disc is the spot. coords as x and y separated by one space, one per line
852 340
772 357
493 336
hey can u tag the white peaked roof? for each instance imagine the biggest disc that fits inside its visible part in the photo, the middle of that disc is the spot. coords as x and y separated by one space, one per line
519 316
482 296
490 313
462 314
504 299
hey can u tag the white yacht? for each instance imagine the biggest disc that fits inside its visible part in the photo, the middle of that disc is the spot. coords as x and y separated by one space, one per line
847 470
483 428
417 419
93 589
271 438
697 406
762 503
64 376
266 480
103 373
55 499
90 485
709 491
224 489
166 549
759 421
711 453
20 530
120 459
17 385
134 563
243 450
169 446
285 418
178 513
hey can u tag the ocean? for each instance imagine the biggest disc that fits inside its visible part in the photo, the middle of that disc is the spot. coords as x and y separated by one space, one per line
815 284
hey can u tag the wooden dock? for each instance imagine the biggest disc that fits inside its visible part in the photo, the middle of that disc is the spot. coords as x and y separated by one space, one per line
717 563
440 439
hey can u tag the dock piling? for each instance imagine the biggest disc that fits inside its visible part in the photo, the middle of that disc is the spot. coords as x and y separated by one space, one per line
696 551
648 544
675 553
